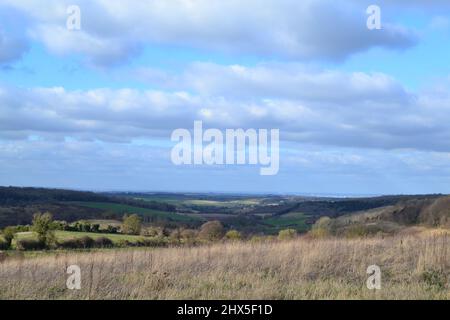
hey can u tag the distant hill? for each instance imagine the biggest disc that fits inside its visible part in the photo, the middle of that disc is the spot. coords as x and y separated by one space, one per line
249 214
18 205
422 211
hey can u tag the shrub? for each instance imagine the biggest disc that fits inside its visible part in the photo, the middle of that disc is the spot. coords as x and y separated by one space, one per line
4 245
358 231
257 239
233 235
435 278
58 225
103 242
322 228
123 243
175 236
287 234
152 242
111 229
211 230
77 243
30 244
86 242
69 244
22 228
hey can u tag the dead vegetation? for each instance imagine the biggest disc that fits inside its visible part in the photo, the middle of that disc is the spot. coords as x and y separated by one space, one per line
414 265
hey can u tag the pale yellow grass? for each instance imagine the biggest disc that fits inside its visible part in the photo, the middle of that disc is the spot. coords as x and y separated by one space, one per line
413 267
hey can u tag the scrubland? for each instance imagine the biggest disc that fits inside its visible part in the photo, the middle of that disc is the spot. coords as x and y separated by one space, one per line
414 265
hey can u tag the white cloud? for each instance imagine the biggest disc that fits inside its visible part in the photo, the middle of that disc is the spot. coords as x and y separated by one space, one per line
113 30
322 107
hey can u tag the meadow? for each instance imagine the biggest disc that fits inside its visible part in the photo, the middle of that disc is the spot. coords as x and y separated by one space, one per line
414 266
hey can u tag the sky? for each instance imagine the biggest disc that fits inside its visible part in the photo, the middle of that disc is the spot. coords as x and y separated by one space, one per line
359 111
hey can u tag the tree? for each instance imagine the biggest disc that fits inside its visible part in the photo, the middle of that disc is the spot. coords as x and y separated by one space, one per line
131 224
8 235
42 225
211 230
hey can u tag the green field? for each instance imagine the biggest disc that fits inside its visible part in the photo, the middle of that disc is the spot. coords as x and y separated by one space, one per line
65 235
123 208
215 203
294 220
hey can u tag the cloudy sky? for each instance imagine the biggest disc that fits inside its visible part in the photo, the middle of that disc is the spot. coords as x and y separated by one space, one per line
359 111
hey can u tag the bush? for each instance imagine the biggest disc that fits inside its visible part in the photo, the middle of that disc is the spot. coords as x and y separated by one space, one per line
86 242
212 231
322 228
189 236
103 242
77 243
152 242
4 245
30 244
257 239
233 235
123 243
69 244
287 234
435 278
111 229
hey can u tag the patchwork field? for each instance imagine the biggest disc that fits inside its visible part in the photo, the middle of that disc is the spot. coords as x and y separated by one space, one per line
122 209
294 220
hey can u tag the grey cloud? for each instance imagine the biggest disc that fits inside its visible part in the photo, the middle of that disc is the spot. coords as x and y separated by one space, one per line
11 49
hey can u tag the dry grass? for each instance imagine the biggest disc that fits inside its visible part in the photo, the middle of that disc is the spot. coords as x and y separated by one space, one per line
414 266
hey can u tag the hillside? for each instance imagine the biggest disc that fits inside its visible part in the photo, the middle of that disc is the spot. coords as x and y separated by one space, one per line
18 205
429 212
250 214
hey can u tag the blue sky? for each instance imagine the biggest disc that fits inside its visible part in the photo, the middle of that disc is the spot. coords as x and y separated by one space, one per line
359 111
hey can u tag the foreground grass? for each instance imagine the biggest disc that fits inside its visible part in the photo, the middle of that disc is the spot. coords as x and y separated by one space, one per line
413 267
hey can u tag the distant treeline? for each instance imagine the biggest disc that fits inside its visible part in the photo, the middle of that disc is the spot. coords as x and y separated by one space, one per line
15 196
18 205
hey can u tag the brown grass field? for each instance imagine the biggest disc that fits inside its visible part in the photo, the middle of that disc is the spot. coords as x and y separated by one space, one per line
414 266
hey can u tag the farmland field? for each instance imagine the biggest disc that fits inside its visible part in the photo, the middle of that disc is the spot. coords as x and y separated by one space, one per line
295 220
122 209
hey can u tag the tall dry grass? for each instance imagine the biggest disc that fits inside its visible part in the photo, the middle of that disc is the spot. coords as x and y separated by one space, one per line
414 266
